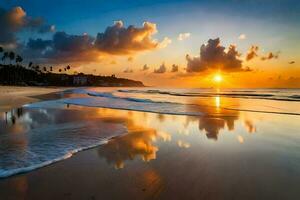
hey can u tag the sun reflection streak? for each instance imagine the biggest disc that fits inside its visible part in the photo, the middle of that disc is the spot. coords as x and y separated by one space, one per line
218 101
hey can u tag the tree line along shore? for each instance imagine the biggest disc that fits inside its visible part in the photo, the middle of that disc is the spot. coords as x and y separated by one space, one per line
14 72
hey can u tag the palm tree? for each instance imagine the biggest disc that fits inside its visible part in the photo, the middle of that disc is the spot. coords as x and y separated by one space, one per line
11 56
45 69
68 67
5 56
1 49
19 59
30 64
59 70
51 69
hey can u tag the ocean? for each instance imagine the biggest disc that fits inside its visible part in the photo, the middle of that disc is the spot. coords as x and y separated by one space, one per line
48 131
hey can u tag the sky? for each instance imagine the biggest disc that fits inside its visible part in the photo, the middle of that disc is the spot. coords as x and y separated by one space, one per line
167 43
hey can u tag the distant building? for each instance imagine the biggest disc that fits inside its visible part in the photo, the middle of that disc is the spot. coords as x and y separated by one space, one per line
80 80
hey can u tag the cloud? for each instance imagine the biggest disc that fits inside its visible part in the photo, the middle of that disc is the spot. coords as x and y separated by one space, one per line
183 36
166 41
214 56
116 40
175 68
292 62
39 44
252 53
270 56
242 37
162 69
119 40
128 70
16 20
145 68
62 48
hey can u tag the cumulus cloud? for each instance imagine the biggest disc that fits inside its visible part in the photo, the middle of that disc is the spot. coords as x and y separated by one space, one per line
183 36
145 67
15 20
270 56
162 69
116 40
214 56
175 68
252 52
62 48
242 37
120 40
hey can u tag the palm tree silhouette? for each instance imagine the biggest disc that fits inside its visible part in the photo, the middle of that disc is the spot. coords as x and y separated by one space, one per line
51 69
59 70
11 56
30 64
1 49
19 59
5 56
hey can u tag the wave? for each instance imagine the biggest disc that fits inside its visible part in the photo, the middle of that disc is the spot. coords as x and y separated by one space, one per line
110 95
273 95
109 100
52 143
7 173
125 104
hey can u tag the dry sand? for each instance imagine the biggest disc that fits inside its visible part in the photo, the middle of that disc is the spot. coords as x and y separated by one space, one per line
12 97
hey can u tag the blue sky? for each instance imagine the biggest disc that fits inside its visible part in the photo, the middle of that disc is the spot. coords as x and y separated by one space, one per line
273 25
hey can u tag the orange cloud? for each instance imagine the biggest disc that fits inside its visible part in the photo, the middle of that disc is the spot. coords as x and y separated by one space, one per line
15 20
252 53
162 69
119 40
270 56
175 68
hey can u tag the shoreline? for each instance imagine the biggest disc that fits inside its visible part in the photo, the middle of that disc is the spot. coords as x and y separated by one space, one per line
150 155
16 96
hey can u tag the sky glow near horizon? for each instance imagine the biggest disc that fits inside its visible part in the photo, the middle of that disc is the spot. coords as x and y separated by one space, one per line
258 44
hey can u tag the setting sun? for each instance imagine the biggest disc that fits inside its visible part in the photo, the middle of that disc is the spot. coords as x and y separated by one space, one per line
218 78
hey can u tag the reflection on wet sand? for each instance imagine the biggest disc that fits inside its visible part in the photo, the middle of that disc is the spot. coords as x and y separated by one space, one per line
216 117
139 141
139 133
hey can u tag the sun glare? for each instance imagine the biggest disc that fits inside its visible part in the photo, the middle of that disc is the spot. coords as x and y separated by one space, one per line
218 78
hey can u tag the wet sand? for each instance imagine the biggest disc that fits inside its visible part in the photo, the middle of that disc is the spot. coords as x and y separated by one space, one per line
14 97
239 156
